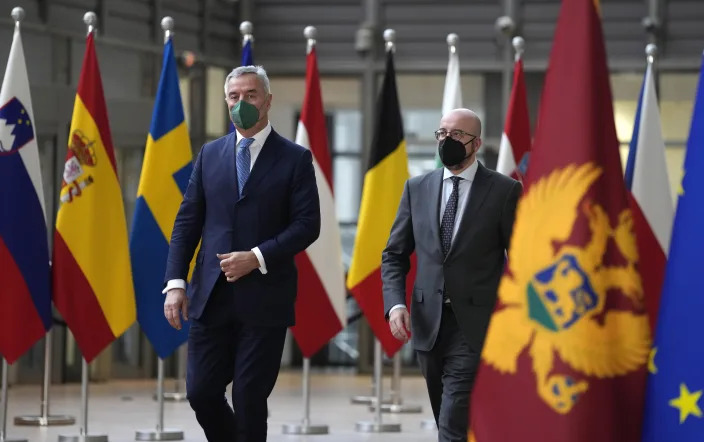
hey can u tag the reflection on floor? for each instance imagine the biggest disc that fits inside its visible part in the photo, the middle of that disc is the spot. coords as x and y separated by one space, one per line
119 408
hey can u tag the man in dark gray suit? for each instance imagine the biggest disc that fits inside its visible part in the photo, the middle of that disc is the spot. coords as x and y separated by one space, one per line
458 220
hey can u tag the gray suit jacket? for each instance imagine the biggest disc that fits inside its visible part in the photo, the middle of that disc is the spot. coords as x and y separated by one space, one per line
472 269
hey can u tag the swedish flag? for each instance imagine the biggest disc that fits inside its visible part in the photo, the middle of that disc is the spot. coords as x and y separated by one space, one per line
674 402
165 172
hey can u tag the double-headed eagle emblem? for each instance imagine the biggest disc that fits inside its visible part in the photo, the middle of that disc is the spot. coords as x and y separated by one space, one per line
556 297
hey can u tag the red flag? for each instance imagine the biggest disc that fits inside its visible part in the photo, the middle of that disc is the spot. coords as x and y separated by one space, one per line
320 305
515 141
567 347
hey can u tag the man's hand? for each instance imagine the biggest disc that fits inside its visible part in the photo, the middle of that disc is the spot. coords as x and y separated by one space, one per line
237 264
400 324
176 303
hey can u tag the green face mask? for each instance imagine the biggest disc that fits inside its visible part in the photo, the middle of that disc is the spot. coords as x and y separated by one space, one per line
244 115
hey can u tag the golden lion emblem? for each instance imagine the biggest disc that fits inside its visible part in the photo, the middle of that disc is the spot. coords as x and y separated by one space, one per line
555 294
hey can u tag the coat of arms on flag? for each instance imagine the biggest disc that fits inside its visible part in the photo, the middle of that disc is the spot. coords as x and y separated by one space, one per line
15 126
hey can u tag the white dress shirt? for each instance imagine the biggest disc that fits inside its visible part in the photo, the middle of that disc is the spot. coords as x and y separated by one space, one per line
254 149
465 186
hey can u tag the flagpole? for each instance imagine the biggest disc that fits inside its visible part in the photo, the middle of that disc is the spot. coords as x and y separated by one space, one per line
83 435
397 405
179 393
377 426
45 419
651 50
3 399
519 46
247 29
506 26
305 426
160 433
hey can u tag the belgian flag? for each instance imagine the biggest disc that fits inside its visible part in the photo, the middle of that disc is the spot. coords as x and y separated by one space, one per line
383 186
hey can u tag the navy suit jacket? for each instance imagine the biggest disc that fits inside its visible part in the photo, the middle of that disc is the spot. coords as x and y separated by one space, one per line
279 212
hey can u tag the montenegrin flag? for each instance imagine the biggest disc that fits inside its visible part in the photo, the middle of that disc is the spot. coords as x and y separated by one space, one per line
567 347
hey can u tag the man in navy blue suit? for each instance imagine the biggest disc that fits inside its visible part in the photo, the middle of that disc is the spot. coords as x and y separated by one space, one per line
252 201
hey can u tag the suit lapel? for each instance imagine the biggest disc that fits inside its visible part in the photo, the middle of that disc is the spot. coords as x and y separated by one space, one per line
265 161
228 157
433 193
477 194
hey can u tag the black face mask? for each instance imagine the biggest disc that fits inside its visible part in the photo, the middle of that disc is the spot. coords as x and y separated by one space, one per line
452 152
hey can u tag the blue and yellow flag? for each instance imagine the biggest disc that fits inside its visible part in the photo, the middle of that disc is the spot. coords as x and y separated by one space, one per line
674 400
165 172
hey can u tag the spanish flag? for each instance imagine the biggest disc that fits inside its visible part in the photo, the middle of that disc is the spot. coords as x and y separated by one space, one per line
567 347
92 277
165 172
381 195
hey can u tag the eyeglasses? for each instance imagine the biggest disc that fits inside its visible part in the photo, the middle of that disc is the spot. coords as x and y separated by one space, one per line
456 134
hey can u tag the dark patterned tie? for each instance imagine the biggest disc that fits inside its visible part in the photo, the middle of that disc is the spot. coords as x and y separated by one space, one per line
243 163
448 218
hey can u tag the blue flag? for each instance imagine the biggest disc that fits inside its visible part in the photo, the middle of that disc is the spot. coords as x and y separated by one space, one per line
247 60
165 172
633 145
674 402
247 54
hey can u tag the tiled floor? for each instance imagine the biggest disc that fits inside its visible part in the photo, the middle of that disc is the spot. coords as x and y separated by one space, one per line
119 408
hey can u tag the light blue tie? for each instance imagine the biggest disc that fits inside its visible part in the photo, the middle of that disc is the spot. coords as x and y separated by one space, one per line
244 160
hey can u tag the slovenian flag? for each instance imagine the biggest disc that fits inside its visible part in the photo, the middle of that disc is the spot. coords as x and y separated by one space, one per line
25 297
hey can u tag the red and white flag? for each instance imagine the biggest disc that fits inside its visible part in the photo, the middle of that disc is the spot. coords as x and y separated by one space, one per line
515 141
651 203
320 305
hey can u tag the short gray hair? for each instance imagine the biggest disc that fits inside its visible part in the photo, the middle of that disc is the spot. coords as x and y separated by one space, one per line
242 70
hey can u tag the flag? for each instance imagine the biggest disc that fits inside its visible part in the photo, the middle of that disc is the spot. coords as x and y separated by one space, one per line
165 172
452 95
567 347
247 60
247 53
92 279
673 409
646 177
25 294
320 304
381 195
515 140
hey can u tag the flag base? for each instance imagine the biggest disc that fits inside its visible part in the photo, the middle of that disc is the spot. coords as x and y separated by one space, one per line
376 427
44 421
165 434
398 408
305 429
84 438
367 400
